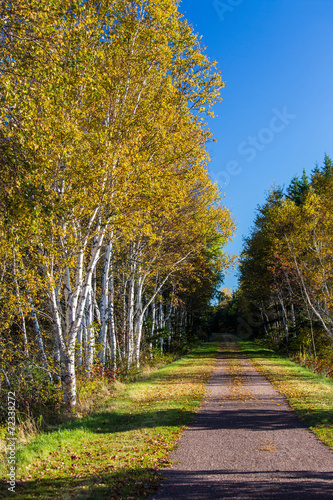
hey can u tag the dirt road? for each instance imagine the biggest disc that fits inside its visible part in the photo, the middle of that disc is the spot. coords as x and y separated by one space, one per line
247 443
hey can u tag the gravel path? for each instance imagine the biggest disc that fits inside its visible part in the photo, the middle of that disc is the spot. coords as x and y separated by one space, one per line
247 443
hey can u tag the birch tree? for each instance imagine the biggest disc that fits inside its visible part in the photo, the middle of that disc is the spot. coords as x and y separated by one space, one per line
106 103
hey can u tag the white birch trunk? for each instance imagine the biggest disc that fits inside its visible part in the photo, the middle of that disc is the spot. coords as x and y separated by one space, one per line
91 335
67 356
23 325
157 290
306 293
112 323
130 312
153 322
104 305
284 315
130 321
75 308
40 339
139 319
79 349
161 324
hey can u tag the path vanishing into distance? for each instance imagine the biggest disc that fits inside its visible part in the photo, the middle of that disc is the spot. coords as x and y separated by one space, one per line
246 443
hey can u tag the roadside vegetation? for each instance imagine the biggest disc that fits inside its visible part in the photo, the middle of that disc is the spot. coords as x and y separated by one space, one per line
112 232
117 450
285 294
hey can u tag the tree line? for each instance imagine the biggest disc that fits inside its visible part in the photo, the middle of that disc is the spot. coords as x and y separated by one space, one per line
111 230
286 270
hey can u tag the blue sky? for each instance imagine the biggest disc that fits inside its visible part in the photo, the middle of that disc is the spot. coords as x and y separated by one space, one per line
276 118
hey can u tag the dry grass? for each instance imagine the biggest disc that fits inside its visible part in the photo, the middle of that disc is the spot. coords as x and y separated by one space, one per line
92 394
28 429
3 432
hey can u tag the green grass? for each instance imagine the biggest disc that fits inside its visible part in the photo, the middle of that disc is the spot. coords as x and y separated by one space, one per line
116 452
310 395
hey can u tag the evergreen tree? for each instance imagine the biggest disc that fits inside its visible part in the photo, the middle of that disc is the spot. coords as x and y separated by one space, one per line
327 169
321 176
298 189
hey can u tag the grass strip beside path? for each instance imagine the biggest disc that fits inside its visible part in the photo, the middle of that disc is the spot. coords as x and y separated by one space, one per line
116 453
309 395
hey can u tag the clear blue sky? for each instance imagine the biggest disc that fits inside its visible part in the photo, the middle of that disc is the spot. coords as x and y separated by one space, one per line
276 118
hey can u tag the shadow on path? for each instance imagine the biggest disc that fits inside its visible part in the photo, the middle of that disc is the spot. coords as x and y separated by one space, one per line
263 485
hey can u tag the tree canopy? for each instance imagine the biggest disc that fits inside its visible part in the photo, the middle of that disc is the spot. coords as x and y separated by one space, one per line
111 229
286 277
